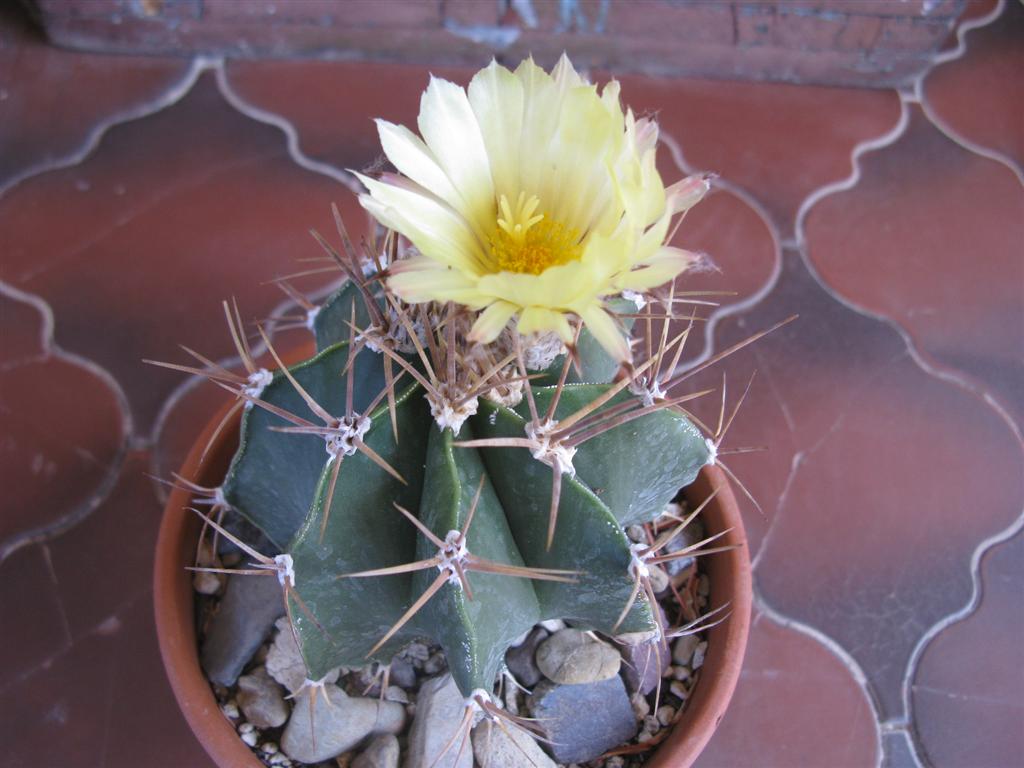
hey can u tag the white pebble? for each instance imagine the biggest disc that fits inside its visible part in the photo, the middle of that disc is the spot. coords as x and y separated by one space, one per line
270 748
679 690
666 714
230 709
698 655
250 738
640 706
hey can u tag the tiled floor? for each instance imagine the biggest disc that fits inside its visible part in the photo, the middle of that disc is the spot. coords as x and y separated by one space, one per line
136 193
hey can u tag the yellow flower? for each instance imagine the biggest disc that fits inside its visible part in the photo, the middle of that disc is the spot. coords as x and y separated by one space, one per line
533 195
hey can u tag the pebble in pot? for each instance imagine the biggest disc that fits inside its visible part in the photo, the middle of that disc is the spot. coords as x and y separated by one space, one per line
520 659
572 657
439 712
508 747
248 610
382 752
584 721
261 699
337 726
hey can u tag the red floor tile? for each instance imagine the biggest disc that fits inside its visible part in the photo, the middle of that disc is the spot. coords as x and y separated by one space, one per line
795 705
742 247
105 703
902 243
332 104
54 100
183 209
974 95
972 673
63 432
880 481
896 477
23 325
779 142
106 561
28 588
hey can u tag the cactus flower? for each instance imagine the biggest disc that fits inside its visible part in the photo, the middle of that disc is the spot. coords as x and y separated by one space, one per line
529 196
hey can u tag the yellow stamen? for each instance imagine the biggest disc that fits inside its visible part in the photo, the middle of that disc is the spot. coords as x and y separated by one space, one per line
528 243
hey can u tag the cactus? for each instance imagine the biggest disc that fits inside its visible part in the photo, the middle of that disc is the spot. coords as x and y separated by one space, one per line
434 473
408 502
417 526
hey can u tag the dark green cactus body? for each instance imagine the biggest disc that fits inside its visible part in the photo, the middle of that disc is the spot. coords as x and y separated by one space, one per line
281 482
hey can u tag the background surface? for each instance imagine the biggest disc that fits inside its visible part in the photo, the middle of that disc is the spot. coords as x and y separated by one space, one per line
139 192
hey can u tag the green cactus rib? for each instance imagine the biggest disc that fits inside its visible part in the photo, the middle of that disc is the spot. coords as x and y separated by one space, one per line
282 482
474 632
331 324
338 620
638 467
273 475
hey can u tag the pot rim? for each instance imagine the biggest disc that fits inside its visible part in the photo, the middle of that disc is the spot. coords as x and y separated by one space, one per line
729 573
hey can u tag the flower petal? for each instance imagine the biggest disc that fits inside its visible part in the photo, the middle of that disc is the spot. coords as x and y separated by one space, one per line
605 330
496 96
666 265
492 321
541 320
422 279
413 158
434 228
450 130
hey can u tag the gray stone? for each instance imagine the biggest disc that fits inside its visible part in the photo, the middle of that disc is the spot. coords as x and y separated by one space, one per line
659 579
261 699
689 536
439 712
683 648
402 673
645 657
583 722
643 664
249 608
520 660
572 657
508 747
284 662
382 752
338 725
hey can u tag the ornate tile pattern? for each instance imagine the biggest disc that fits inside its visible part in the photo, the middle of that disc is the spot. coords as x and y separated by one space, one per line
139 193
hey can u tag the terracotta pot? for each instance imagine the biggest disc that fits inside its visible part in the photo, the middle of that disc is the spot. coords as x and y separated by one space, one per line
729 574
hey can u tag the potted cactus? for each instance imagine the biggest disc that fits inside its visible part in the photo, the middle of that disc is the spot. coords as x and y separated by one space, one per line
464 453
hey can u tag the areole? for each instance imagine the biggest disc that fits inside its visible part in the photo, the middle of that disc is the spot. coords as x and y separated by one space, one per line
729 574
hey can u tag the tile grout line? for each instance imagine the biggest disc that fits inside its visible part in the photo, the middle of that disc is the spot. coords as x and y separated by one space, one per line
152 441
781 619
933 370
267 117
968 610
101 492
941 125
170 96
720 313
836 649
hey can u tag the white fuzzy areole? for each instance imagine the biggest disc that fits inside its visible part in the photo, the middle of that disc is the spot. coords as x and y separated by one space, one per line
446 415
285 570
453 553
311 317
712 452
547 451
342 440
256 382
